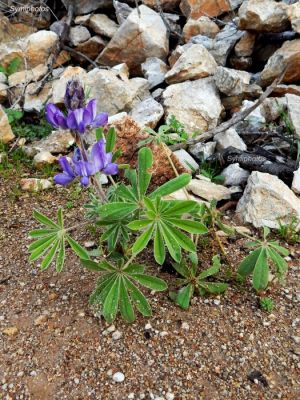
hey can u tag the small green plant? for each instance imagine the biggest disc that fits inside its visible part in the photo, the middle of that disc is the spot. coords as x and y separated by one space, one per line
212 172
12 67
193 281
289 232
257 263
266 304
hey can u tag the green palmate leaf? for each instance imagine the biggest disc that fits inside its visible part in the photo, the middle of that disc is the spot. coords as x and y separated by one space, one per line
172 245
184 296
189 225
226 229
60 260
279 249
180 207
115 211
247 265
94 266
111 302
159 247
184 242
60 218
77 248
212 270
214 287
171 186
103 287
261 271
182 269
44 220
150 282
13 66
115 156
39 251
41 242
139 224
266 232
278 261
50 256
39 233
144 163
142 240
110 140
140 301
134 269
126 308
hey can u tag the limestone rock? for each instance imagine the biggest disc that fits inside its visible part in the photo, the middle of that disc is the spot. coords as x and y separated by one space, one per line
222 44
36 102
103 25
229 138
201 151
235 175
288 54
195 63
79 34
263 16
266 200
209 190
230 81
43 158
245 46
24 77
10 32
296 181
91 48
58 142
196 104
293 12
186 160
198 8
3 78
148 113
293 106
154 70
36 48
201 26
137 39
6 133
122 71
35 184
272 107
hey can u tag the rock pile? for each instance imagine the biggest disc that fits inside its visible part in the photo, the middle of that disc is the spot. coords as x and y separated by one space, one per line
200 61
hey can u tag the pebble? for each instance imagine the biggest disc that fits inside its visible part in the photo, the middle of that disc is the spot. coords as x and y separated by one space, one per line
117 335
118 377
131 396
40 320
11 331
217 302
170 396
296 339
185 326
148 326
76 381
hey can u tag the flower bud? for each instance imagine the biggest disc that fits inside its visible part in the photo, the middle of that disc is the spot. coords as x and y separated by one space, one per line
74 96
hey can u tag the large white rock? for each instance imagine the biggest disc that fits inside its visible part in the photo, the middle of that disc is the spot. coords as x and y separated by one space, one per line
195 63
154 70
229 138
101 24
235 175
293 12
26 76
186 160
293 106
141 36
196 104
209 190
266 200
79 34
230 81
147 113
201 151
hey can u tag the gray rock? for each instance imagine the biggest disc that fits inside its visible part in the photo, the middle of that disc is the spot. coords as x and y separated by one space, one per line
229 138
266 200
87 6
209 190
231 82
154 70
79 34
293 107
235 175
103 25
147 113
201 151
186 160
58 142
196 104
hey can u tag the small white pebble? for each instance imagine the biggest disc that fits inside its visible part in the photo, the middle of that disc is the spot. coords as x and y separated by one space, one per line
148 326
163 333
296 339
185 326
131 396
33 373
116 335
170 396
217 302
118 377
109 372
76 381
111 328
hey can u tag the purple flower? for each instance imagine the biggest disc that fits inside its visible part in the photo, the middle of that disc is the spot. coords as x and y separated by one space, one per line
80 118
55 117
74 96
99 161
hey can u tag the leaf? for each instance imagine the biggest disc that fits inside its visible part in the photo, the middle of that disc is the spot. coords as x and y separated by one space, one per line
126 308
185 242
13 66
171 186
189 225
139 224
115 156
214 287
159 247
60 218
115 211
40 242
171 242
44 220
38 252
261 271
134 269
266 231
110 140
180 207
142 241
184 296
150 282
280 249
94 266
39 233
182 269
280 263
139 299
144 164
50 256
212 270
60 260
99 134
77 248
248 264
111 302
103 287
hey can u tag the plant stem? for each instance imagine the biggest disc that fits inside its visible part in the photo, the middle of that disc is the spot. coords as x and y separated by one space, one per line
130 260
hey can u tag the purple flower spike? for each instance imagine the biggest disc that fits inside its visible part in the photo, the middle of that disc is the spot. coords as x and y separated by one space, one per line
55 117
74 96
102 160
81 118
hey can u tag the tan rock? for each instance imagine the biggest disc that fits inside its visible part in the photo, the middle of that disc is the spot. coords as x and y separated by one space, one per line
10 331
35 184
137 39
91 48
179 50
154 71
79 34
43 158
10 32
282 89
36 102
201 26
102 25
6 133
58 142
195 63
293 12
24 77
196 104
263 16
122 71
198 8
36 48
208 190
245 46
287 55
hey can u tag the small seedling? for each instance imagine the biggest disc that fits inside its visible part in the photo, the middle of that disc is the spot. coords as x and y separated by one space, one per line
289 232
12 67
266 304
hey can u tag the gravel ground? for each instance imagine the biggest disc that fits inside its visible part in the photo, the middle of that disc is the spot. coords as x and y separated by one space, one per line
52 346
